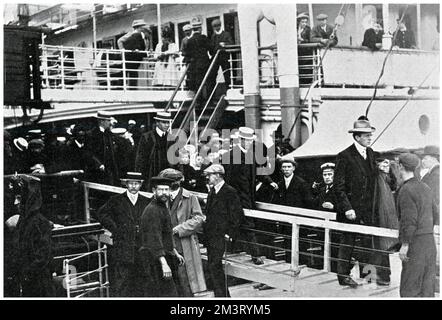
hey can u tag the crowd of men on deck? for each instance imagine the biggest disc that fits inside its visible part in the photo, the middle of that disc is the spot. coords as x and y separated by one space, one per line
155 248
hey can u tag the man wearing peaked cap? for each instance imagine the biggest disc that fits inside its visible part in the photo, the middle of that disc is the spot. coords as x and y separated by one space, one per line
324 192
187 29
323 33
303 28
121 215
224 214
418 213
430 163
354 183
187 218
151 155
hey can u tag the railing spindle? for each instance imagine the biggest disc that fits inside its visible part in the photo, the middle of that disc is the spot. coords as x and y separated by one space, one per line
123 55
327 247
87 209
108 71
62 67
295 247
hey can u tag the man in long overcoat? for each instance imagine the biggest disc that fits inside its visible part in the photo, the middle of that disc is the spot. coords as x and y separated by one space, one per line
151 155
187 218
355 179
100 143
219 39
160 258
224 215
121 215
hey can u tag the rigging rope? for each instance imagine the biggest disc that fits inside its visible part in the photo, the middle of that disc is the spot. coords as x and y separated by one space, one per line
384 63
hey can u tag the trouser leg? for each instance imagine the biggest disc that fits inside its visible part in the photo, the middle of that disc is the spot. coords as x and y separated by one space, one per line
215 256
346 247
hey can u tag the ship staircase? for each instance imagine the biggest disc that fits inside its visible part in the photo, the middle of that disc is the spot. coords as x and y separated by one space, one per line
289 277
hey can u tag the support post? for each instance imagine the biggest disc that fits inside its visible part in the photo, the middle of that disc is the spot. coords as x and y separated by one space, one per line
87 210
295 247
327 247
387 37
159 22
310 14
419 27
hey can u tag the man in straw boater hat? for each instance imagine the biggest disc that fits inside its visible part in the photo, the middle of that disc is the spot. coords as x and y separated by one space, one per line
242 174
160 258
355 179
99 143
224 214
151 156
187 219
418 213
303 28
121 215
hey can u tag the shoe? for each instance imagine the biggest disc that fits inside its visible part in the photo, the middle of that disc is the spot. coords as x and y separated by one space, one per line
257 260
382 283
348 282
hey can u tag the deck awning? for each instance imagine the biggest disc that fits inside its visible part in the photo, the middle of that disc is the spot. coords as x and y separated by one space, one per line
416 126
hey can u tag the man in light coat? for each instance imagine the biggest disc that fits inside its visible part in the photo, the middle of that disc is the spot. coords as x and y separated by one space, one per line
187 218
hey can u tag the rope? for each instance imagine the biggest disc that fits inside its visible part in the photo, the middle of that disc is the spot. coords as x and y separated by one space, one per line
404 105
384 63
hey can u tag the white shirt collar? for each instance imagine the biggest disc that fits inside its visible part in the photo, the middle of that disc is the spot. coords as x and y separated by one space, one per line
159 131
132 197
219 186
288 180
361 149
219 32
80 145
173 194
101 128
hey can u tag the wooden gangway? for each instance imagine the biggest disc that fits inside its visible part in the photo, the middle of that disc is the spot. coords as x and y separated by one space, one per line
294 279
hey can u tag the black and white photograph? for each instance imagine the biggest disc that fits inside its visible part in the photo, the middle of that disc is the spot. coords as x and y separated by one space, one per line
221 151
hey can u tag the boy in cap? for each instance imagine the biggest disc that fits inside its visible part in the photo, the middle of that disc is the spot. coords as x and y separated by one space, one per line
303 28
121 215
224 214
160 258
323 33
418 213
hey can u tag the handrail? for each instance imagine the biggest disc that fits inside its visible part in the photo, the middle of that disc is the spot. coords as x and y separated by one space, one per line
213 114
172 97
200 89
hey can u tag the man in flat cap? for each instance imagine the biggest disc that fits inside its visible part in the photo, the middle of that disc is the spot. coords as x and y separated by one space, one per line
418 213
430 166
160 258
121 215
224 214
355 178
137 40
151 156
187 218
323 33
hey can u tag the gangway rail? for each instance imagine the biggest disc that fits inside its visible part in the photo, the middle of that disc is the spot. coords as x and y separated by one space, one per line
287 275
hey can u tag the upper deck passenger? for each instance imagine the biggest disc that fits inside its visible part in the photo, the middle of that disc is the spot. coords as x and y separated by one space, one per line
323 33
303 28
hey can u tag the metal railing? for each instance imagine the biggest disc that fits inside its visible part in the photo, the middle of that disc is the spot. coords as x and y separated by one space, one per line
64 67
296 217
108 69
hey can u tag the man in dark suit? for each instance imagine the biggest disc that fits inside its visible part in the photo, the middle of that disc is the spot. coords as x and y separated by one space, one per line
135 41
324 193
121 215
373 37
196 53
404 38
242 165
303 28
418 213
324 33
355 181
151 155
430 163
219 39
224 214
100 144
